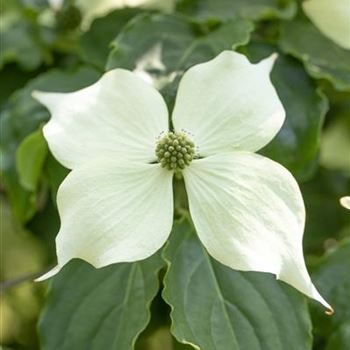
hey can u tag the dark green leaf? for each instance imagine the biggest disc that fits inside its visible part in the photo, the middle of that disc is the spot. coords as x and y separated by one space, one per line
340 339
45 224
172 45
15 79
215 307
55 173
95 42
326 220
99 309
334 138
171 33
297 143
181 44
23 114
30 158
23 202
19 44
228 9
322 58
333 277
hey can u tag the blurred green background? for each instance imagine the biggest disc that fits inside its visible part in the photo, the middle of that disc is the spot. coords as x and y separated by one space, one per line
64 48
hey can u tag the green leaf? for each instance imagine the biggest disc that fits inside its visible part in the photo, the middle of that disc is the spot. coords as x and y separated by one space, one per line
172 33
95 42
322 58
326 220
23 202
172 45
181 43
21 116
15 79
18 45
22 252
215 307
22 256
30 158
340 339
228 9
297 144
99 308
45 224
332 275
55 173
20 39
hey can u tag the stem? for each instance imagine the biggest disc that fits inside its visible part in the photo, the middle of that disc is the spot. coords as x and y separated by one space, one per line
4 286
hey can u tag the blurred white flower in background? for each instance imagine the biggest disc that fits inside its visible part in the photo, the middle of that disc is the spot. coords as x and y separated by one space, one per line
55 4
332 18
92 9
151 68
345 202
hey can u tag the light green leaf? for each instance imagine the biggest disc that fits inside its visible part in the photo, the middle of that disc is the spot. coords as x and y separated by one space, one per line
95 42
180 43
228 9
22 254
322 58
214 307
30 158
297 144
99 309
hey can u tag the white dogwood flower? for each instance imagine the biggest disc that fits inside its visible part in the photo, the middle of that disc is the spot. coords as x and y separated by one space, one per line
332 18
116 205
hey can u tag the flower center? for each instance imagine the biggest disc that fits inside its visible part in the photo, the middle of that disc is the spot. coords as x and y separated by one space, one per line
175 151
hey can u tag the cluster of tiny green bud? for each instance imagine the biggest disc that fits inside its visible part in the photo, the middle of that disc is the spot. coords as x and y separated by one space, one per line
175 151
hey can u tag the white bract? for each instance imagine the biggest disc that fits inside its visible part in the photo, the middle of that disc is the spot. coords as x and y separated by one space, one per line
116 205
332 18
